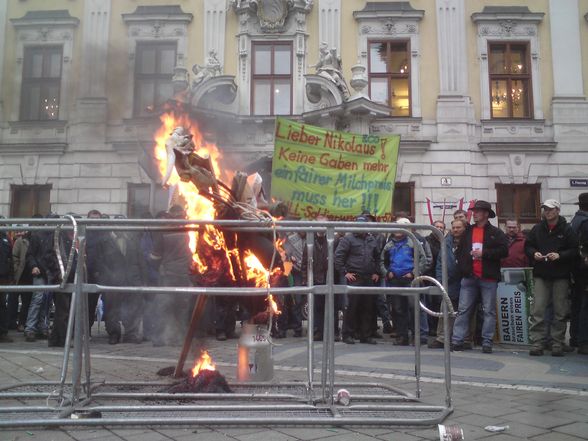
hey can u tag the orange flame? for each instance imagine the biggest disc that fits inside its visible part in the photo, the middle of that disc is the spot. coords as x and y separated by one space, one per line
257 272
197 206
273 305
204 363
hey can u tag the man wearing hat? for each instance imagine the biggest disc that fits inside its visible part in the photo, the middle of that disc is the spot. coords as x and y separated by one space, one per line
579 322
552 247
478 257
357 258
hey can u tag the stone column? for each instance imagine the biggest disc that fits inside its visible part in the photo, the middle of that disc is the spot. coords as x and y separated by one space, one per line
3 27
454 106
89 123
330 23
569 100
214 28
96 24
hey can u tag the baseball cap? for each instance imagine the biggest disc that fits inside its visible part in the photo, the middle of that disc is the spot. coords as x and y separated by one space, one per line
402 220
550 203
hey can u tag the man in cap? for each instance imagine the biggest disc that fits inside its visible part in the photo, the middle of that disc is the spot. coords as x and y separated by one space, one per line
579 322
478 256
552 246
358 258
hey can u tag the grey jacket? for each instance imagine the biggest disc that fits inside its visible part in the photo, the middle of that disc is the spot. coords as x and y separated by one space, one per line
357 254
19 257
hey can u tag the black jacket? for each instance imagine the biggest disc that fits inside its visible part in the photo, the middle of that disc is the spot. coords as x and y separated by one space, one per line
358 254
41 254
494 248
561 240
106 262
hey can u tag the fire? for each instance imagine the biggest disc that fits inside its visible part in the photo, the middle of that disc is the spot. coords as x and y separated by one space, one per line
197 206
258 273
273 305
204 363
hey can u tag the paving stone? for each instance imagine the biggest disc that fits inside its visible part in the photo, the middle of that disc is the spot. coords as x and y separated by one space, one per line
128 432
266 435
307 433
576 429
205 436
502 437
556 437
396 436
372 431
149 436
86 434
36 435
540 420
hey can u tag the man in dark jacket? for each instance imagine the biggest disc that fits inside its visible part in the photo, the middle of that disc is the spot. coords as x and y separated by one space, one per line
117 264
451 242
357 257
478 256
172 251
41 264
516 246
552 245
579 319
5 279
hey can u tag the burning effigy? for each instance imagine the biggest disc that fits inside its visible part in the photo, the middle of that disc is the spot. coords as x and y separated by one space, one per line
189 167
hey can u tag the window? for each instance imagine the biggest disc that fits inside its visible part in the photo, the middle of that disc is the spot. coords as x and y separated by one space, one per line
271 85
403 200
140 201
389 75
520 201
28 200
41 83
154 66
510 80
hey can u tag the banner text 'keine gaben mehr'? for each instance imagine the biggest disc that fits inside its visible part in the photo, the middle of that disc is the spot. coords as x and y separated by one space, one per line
337 174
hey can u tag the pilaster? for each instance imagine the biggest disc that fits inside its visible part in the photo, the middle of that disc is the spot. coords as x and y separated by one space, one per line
330 23
214 28
564 20
3 26
569 105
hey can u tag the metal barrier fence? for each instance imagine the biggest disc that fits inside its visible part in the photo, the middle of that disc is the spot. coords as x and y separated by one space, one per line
289 403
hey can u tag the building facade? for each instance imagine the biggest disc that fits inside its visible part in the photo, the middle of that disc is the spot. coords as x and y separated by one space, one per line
489 96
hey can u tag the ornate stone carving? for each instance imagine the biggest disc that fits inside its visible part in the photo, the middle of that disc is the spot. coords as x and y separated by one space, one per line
211 69
329 66
506 28
272 14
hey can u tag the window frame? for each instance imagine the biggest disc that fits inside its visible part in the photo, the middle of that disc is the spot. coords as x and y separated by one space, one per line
157 78
509 77
44 82
272 76
36 189
391 75
515 188
410 186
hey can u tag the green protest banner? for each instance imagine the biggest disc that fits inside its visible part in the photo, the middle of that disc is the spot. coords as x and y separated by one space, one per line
335 174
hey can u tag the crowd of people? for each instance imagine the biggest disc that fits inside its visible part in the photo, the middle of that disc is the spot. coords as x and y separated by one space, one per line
555 249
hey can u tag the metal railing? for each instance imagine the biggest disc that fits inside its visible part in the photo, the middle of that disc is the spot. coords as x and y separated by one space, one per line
314 402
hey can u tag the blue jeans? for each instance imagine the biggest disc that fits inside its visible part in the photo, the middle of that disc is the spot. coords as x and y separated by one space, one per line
473 289
36 319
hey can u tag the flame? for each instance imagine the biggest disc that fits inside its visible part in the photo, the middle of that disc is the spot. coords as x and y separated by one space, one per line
273 305
197 206
261 276
204 363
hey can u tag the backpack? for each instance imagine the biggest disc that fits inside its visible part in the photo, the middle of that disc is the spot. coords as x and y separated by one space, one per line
5 257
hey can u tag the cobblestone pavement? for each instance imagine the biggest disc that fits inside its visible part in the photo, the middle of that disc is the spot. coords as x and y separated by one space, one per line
538 398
